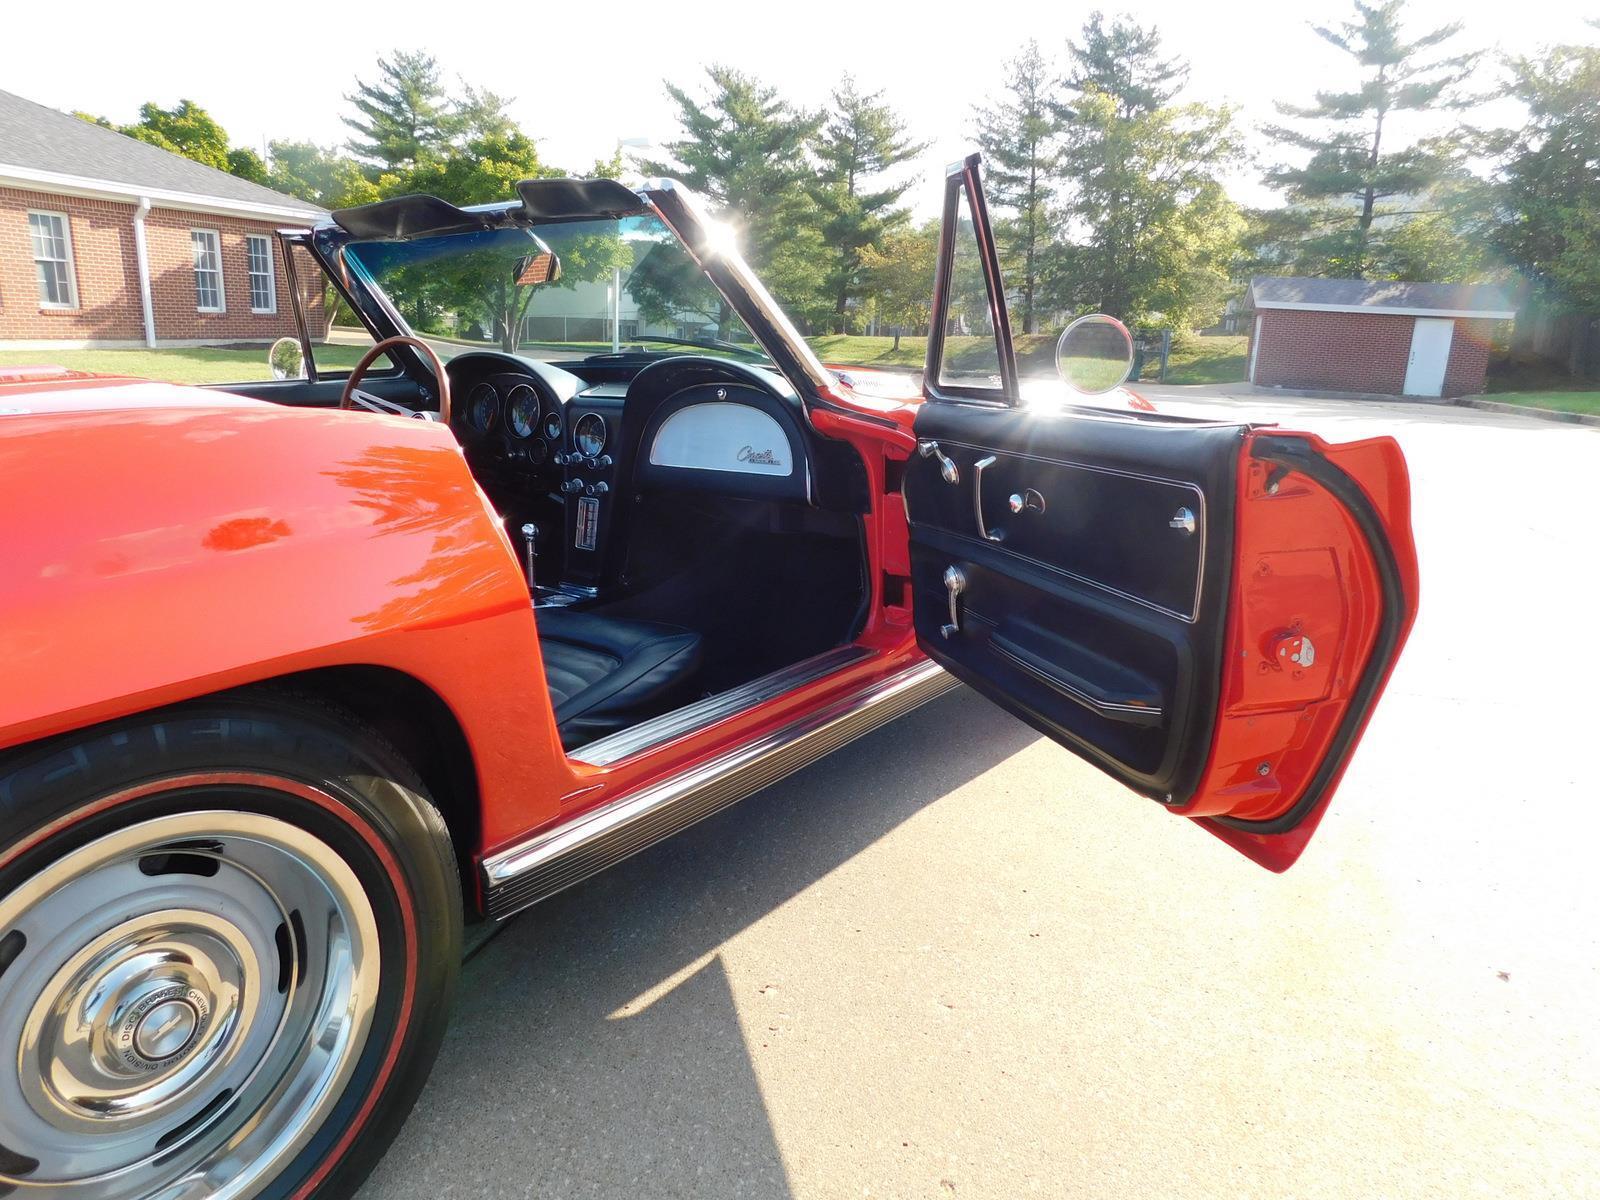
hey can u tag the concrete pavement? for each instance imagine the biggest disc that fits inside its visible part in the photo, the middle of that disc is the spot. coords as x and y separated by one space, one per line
952 960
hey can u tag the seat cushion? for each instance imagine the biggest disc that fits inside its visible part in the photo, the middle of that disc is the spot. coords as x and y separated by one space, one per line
603 672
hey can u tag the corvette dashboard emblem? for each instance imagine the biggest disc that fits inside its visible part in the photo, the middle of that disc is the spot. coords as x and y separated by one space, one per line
761 458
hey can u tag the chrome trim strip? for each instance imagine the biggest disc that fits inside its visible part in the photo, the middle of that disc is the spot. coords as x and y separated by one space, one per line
571 852
1071 693
1200 568
686 720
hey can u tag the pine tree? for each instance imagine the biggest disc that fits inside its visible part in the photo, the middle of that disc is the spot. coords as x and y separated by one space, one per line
861 140
1351 171
404 116
1019 137
1123 61
747 150
1155 233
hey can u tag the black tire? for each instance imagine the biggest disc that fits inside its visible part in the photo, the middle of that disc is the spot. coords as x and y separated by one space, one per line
290 761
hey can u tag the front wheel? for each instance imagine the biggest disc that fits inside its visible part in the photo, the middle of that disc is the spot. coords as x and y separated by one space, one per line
228 938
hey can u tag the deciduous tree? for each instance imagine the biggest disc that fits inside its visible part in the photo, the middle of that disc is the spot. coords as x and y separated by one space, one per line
1548 188
899 272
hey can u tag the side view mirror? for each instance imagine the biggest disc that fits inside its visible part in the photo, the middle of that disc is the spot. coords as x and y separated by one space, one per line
1095 354
287 359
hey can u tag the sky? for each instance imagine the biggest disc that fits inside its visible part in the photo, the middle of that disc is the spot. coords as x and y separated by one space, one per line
584 77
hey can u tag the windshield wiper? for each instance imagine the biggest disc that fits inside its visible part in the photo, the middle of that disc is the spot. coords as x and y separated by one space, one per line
710 344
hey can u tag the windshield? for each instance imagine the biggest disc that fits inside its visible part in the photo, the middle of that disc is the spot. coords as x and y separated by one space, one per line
621 285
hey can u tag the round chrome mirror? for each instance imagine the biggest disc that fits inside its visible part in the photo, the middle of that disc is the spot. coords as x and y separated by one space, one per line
287 359
1095 354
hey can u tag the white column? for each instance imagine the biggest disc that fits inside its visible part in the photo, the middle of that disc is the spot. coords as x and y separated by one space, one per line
616 310
141 254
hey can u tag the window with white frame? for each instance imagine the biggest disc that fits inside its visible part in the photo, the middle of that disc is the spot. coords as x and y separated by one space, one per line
263 287
207 270
52 259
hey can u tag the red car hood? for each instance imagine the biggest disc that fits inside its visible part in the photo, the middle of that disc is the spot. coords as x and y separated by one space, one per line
36 390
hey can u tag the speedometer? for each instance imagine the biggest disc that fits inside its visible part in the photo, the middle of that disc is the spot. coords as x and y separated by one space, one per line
483 405
589 435
522 410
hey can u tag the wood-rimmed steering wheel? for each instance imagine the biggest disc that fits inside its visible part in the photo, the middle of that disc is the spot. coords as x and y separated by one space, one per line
352 395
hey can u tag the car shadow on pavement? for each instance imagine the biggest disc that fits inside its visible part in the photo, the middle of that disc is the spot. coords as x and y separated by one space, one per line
596 1048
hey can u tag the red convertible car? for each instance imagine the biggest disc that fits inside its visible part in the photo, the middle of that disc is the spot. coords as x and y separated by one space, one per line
298 685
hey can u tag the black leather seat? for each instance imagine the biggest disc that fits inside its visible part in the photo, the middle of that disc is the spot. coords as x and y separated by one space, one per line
606 673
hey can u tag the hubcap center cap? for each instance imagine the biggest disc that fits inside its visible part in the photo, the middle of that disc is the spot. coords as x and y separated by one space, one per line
166 1030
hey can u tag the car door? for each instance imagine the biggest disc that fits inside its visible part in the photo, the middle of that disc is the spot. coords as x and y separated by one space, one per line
1206 610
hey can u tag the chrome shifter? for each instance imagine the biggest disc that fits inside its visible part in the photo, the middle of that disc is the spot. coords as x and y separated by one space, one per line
530 537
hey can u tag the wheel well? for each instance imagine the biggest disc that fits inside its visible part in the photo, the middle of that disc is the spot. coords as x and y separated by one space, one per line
411 717
408 715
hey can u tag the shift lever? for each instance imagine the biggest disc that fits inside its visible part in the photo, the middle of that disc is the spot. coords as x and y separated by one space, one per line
530 535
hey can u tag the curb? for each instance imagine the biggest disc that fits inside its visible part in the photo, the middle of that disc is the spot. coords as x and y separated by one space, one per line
1519 410
1323 394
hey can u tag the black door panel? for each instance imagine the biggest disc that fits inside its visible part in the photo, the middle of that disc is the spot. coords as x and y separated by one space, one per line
1086 611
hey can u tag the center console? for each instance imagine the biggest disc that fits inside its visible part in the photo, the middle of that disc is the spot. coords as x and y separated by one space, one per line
589 483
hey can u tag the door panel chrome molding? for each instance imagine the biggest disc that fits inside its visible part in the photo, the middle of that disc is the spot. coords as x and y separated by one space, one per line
570 853
669 727
1189 617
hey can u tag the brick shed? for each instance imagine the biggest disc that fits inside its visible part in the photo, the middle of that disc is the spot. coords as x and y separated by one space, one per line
1386 338
106 241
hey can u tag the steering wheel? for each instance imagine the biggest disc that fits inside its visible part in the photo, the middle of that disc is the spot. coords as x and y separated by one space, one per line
352 395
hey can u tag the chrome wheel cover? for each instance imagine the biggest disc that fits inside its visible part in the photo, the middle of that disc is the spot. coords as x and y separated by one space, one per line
182 1003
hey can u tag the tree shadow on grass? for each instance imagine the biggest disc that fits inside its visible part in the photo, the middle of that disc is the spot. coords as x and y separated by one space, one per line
545 1089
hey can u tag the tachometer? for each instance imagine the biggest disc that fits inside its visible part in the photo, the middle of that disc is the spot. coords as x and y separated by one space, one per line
522 410
483 405
589 435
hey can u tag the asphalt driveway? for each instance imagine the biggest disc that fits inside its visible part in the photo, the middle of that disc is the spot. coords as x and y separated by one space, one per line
951 960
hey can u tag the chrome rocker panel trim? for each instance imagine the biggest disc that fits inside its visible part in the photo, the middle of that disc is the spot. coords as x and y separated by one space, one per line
570 853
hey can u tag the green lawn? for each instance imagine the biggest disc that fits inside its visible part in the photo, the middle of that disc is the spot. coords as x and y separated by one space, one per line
1577 402
1204 359
203 364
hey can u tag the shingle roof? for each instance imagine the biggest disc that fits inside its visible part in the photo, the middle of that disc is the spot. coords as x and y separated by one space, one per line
38 138
1292 291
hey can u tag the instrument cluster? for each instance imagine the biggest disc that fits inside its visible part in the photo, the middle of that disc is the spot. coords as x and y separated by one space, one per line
529 424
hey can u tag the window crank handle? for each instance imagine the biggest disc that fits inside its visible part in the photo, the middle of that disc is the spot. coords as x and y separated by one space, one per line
947 469
954 584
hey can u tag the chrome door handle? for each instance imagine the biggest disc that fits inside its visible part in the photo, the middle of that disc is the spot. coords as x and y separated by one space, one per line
947 469
977 498
954 584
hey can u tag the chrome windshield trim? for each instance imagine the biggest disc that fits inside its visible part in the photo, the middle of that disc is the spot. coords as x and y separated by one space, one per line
685 213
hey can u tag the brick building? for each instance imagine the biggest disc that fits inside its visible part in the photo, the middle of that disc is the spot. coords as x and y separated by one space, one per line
1383 338
108 242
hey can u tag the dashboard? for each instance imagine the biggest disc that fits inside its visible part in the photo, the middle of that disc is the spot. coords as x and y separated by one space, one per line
555 448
